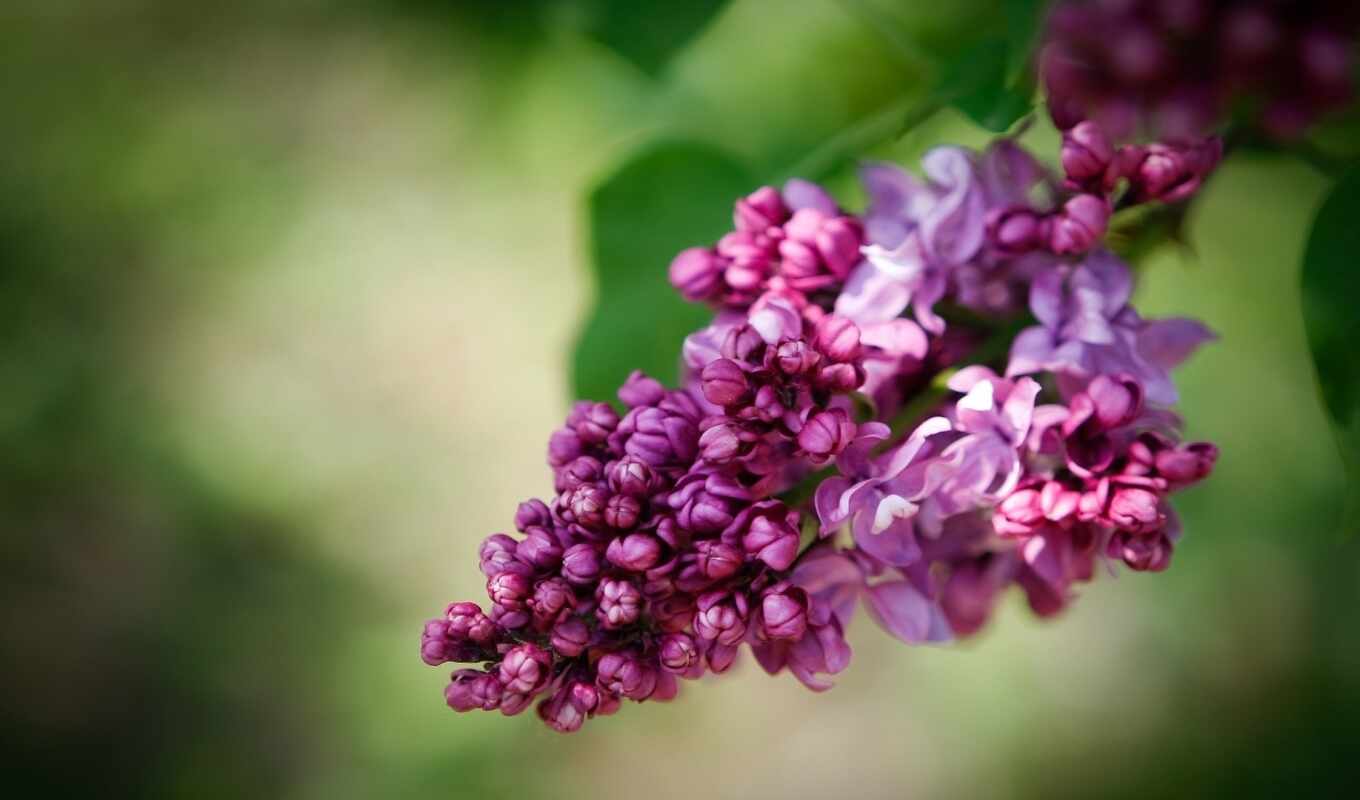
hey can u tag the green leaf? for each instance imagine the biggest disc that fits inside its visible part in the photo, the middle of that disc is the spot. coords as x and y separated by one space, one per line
1331 315
648 34
976 84
670 196
1023 18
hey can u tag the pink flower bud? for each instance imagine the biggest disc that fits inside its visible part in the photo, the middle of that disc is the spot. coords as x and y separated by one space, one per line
636 552
826 434
471 689
678 653
508 590
697 274
622 512
723 382
580 564
466 621
619 603
1086 153
1080 226
838 338
720 618
570 637
761 209
784 615
525 669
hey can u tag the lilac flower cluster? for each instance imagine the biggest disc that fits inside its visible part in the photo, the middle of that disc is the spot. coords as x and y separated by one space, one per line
1174 68
848 434
796 242
664 549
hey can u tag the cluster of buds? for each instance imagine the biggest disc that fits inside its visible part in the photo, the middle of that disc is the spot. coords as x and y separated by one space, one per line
797 242
780 382
1114 468
1174 69
652 564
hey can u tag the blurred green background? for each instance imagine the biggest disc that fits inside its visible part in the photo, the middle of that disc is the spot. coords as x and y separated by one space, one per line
289 295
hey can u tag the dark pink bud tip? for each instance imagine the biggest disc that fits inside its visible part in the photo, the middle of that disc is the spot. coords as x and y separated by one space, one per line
723 382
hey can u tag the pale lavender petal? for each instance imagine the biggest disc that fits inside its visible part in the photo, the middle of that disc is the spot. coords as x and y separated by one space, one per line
872 296
953 230
1168 342
897 337
896 545
1046 297
1032 351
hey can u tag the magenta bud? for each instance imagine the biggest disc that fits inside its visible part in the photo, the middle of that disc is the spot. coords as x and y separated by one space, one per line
723 382
1019 513
532 514
619 603
593 422
678 653
1141 553
525 669
580 564
497 554
795 358
622 512
839 378
1135 509
697 274
509 618
551 601
558 713
826 434
1080 226
772 541
625 674
632 477
639 390
563 447
719 619
636 552
759 210
1086 152
720 443
473 690
508 589
539 549
1116 400
466 621
580 471
783 616
716 559
570 637
838 338
587 504
839 241
1187 464
1016 231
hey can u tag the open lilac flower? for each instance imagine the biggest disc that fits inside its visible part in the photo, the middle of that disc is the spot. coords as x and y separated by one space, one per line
1087 328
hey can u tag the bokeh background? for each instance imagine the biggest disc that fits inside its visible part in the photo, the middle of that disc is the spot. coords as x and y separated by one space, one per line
288 292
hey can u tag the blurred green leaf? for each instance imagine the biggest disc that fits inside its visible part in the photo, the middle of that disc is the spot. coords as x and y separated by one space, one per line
648 34
977 84
668 197
1023 18
1331 297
